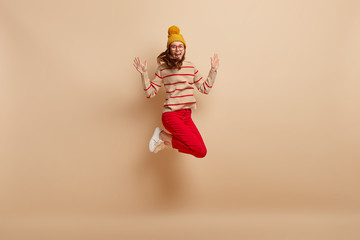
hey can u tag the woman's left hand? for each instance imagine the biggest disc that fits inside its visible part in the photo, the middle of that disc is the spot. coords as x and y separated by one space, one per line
214 63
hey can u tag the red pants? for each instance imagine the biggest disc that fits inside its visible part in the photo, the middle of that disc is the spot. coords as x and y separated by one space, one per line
186 137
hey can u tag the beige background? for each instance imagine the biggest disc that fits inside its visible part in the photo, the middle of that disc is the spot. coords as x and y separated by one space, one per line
281 124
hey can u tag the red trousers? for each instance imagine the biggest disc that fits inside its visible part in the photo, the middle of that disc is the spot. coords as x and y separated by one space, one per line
186 137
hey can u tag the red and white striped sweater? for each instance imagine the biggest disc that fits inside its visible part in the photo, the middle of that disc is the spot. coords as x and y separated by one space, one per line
179 85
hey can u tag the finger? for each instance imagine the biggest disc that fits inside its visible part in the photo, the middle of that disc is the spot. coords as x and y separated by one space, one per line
137 69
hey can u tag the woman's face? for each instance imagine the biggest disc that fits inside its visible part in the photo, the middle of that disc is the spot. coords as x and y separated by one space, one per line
177 50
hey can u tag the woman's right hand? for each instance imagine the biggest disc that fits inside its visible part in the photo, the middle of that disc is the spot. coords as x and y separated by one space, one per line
140 67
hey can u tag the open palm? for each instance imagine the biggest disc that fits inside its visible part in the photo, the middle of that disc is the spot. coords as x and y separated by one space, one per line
215 62
140 67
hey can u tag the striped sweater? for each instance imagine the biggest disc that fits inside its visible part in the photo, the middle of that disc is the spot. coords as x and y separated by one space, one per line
179 85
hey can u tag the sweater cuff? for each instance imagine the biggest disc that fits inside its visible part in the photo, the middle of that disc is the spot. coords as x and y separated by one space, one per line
145 79
212 74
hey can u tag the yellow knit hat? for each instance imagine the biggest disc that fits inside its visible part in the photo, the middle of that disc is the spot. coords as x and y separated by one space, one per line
174 35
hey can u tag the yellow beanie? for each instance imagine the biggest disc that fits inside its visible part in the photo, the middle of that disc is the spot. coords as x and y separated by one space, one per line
174 35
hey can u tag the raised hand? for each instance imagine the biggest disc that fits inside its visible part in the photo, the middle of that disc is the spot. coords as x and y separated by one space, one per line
214 63
140 67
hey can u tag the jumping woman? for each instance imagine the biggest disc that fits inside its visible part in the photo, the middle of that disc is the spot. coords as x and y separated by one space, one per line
180 78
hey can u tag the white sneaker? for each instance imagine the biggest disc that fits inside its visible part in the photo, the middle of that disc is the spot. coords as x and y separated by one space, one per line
155 141
160 147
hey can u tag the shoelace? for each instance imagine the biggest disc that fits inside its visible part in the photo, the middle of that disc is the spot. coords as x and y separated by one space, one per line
158 141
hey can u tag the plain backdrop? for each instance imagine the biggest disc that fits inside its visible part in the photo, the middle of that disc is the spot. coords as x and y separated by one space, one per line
281 123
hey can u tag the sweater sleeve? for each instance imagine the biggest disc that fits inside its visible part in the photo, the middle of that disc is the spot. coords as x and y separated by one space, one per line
152 87
204 85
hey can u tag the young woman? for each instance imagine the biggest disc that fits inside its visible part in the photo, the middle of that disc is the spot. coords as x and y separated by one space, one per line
180 78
